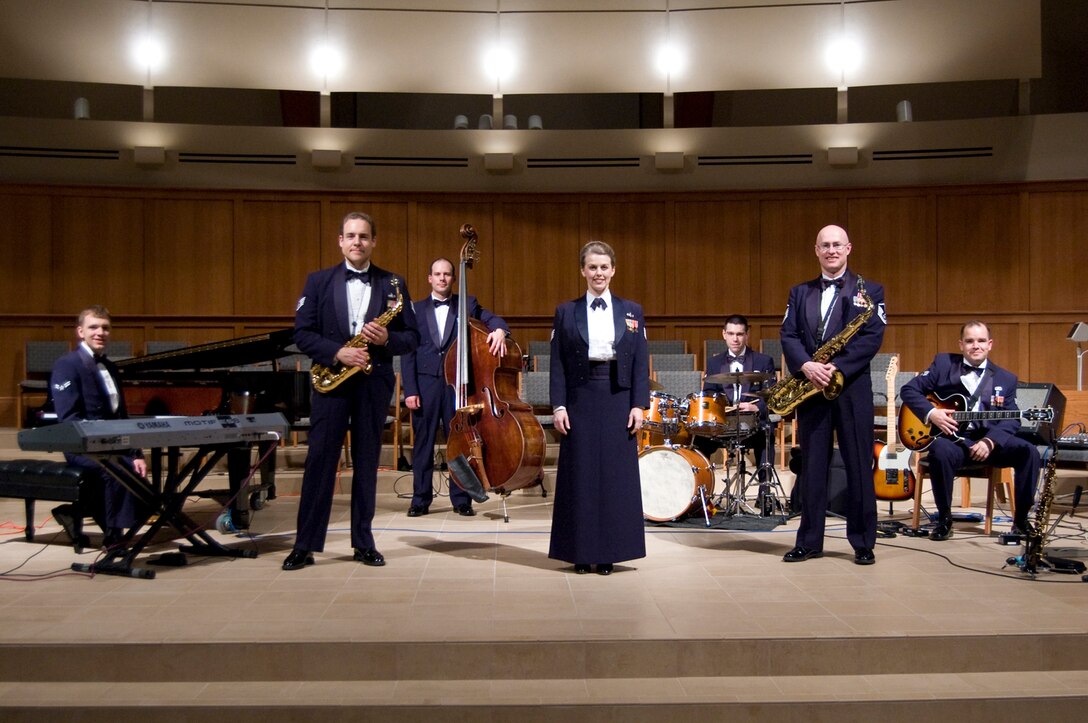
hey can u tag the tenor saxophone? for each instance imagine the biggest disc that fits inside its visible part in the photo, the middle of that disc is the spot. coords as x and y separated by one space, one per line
325 379
787 394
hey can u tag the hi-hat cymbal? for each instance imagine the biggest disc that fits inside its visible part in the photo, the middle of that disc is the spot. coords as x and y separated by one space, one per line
737 378
656 386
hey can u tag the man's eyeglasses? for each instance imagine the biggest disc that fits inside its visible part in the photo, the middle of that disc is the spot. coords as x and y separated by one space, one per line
831 247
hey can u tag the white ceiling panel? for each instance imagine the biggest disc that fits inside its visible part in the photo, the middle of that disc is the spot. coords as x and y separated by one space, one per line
561 47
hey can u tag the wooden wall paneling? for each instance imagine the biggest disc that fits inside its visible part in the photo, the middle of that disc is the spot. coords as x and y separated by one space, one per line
437 232
276 246
189 254
98 254
394 235
710 269
892 245
636 231
537 259
1007 346
787 246
979 254
911 342
25 231
1052 357
1058 250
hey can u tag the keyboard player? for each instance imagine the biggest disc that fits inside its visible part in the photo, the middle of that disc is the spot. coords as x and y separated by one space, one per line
85 386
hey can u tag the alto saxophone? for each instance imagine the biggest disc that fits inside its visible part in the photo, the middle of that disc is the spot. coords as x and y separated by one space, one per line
787 395
325 379
1035 534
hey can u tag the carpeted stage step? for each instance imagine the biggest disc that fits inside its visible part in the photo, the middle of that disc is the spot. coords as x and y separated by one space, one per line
1038 676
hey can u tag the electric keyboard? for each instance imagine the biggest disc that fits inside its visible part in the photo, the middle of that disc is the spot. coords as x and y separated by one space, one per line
109 435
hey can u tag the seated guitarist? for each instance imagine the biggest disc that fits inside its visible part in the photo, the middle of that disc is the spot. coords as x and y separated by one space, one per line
984 386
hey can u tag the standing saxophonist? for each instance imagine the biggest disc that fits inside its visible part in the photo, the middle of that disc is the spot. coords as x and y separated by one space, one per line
818 311
339 303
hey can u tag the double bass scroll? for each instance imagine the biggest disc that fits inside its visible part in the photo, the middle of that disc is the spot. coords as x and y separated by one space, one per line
495 442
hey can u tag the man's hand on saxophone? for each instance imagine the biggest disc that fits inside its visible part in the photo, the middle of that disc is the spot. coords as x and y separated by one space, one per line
819 374
353 356
375 333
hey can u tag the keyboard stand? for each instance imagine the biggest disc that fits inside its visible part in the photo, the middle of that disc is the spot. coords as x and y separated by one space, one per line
162 493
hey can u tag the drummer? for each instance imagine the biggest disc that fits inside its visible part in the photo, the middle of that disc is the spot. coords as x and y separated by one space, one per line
739 357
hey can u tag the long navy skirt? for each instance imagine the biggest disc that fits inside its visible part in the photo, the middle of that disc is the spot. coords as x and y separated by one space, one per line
597 512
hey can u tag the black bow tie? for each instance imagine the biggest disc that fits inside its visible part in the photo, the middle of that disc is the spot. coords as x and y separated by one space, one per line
440 302
824 283
967 369
599 303
98 358
363 276
733 358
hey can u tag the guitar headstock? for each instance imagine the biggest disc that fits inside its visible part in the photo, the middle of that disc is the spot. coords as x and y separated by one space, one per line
469 253
893 369
1039 415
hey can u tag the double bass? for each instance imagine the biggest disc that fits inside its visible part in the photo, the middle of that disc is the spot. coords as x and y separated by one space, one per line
495 442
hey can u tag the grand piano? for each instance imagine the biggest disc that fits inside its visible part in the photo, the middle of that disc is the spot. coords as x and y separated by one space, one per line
235 376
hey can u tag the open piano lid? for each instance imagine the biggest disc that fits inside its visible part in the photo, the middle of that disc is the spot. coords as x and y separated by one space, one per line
244 350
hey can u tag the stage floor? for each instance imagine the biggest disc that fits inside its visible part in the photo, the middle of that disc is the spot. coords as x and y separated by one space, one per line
452 578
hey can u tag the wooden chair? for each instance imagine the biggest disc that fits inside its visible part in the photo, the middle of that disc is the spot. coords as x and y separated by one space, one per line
536 393
712 347
999 481
38 360
667 346
672 362
536 348
680 383
773 349
118 350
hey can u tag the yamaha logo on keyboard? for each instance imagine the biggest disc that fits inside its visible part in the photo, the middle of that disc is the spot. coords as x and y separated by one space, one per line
153 425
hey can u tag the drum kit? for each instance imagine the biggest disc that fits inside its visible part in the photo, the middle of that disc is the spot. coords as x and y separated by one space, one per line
677 478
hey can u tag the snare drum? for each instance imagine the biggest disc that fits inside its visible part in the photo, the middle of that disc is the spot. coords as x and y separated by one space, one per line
671 479
705 413
743 424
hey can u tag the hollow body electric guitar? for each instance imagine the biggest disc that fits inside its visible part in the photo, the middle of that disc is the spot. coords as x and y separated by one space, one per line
917 435
893 473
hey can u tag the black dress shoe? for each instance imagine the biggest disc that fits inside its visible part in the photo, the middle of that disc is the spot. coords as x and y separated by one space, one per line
1018 528
65 517
370 556
800 554
604 568
581 569
465 510
417 511
864 556
298 559
942 531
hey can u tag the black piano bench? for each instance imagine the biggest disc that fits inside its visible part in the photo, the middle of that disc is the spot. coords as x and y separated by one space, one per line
37 479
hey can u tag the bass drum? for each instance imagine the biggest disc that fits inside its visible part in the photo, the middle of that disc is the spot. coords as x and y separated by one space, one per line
671 479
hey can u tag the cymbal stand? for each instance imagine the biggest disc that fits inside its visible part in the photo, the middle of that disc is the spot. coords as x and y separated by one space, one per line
733 493
771 498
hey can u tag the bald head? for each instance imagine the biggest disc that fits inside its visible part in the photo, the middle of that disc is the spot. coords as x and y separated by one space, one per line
832 249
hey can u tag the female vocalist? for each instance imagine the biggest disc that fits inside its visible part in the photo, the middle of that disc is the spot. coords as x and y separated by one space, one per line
600 375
